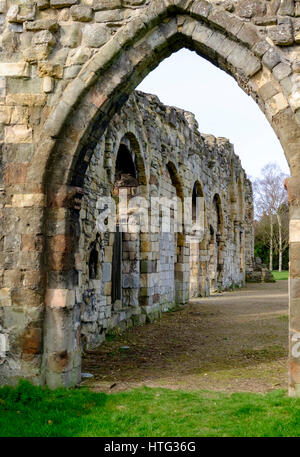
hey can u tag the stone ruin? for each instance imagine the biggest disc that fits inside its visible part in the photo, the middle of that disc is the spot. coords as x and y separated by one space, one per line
167 156
67 67
259 272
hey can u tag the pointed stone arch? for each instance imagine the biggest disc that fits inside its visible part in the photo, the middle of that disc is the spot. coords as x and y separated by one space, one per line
216 242
178 236
199 285
106 81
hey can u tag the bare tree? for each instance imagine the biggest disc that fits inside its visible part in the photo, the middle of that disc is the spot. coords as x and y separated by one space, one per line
270 196
281 232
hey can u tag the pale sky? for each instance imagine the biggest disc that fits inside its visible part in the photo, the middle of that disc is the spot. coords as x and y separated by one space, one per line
221 107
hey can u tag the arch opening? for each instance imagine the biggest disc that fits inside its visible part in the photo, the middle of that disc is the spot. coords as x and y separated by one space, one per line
216 245
72 173
199 284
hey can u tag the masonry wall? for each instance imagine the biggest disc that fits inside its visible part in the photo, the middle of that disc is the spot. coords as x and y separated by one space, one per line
162 269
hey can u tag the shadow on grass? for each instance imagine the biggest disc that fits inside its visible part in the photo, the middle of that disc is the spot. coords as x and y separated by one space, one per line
32 411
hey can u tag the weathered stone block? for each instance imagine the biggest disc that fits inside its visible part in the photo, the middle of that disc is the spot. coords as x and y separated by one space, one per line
281 35
71 35
26 99
226 21
22 85
201 8
281 71
99 5
42 24
12 13
277 103
60 298
286 8
23 297
28 200
81 13
271 58
43 37
36 53
50 69
295 231
95 35
248 34
130 3
15 173
297 9
109 16
243 60
43 4
296 25
265 20
62 3
250 8
12 278
18 134
78 56
72 71
47 84
28 242
268 90
27 12
5 296
32 341
3 6
19 69
106 272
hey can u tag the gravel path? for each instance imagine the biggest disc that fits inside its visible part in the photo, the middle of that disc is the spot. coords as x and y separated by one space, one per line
233 342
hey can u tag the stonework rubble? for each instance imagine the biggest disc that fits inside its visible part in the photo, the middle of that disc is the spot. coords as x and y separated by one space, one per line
258 272
66 68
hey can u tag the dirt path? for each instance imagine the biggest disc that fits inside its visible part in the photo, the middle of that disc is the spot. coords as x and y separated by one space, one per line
233 342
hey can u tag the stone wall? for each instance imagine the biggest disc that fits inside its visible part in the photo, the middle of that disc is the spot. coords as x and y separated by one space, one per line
161 269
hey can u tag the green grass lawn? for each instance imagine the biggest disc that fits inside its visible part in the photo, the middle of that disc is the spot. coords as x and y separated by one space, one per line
32 411
278 275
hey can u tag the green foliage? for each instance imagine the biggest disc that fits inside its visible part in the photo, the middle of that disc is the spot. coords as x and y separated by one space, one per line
33 411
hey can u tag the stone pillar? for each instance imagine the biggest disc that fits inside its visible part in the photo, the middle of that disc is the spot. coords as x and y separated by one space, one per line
62 325
149 292
182 270
21 277
293 187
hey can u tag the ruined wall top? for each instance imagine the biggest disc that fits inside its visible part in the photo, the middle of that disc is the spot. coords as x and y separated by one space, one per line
187 137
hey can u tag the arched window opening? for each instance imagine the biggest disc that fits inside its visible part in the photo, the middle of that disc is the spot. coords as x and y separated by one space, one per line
126 245
216 245
240 200
242 252
94 259
116 286
198 267
194 205
126 174
217 207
